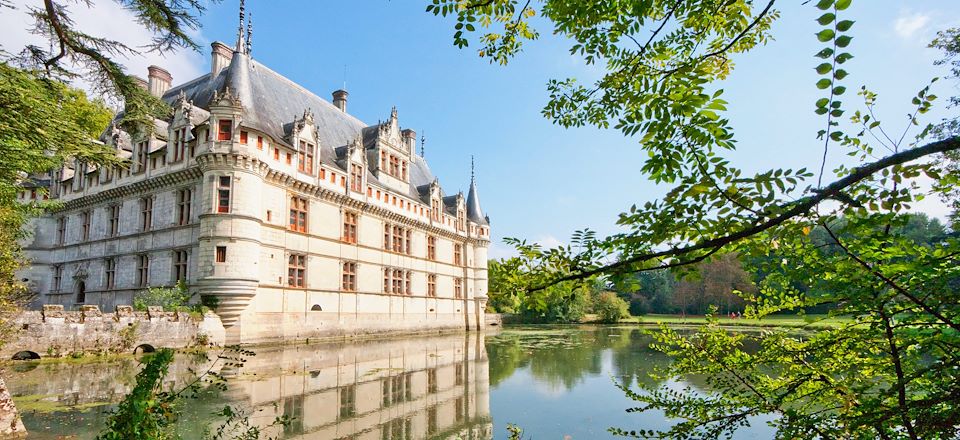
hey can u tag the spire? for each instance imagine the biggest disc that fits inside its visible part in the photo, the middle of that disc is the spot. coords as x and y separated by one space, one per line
474 212
423 141
241 45
250 34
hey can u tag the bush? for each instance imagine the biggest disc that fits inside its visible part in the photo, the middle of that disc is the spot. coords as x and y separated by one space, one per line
610 308
170 298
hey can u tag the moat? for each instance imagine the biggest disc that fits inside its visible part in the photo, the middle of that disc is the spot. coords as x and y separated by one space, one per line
555 382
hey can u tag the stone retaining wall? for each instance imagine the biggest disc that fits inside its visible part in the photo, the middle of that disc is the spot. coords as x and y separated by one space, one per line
54 332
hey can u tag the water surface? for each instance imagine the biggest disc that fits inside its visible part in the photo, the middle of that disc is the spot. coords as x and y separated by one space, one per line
555 382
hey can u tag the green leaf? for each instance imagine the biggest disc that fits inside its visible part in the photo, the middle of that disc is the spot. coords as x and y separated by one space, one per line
843 4
826 19
824 83
825 53
843 41
823 5
844 25
825 35
824 68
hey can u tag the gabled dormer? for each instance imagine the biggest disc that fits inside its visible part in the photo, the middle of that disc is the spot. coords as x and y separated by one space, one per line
225 119
355 162
181 131
393 149
306 140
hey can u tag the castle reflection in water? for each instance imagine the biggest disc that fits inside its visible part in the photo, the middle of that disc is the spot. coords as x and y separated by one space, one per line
433 387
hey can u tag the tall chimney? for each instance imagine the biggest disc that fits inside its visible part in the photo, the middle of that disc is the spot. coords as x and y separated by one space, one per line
159 80
410 139
340 99
220 56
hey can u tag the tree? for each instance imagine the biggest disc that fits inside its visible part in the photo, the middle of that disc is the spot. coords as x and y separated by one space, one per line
45 123
892 372
610 308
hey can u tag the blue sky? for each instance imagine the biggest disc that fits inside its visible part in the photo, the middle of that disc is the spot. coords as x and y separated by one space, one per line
537 180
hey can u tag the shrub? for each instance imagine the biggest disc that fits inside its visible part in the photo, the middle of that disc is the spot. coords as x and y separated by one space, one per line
170 298
610 308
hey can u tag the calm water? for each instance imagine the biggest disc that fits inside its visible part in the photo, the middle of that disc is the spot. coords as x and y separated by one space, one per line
555 382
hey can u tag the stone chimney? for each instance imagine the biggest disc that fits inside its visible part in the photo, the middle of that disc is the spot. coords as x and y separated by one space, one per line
409 139
220 56
340 99
159 80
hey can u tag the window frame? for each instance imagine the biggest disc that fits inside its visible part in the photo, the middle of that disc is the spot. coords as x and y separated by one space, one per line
299 214
110 273
184 202
143 270
146 213
348 281
350 224
224 194
181 265
224 130
297 271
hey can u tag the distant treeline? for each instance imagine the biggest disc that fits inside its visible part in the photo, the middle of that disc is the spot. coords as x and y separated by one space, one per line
713 283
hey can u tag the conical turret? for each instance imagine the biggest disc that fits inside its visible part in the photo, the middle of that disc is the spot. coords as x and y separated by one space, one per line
474 212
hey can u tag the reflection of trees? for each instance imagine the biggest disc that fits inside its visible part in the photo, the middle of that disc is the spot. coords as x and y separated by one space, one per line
563 357
633 361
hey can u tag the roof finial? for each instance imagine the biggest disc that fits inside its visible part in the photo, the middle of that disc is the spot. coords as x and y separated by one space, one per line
472 176
423 141
250 34
240 40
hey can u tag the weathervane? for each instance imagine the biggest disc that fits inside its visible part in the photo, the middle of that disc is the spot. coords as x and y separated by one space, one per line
240 41
423 141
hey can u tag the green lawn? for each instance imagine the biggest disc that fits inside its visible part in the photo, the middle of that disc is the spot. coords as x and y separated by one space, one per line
792 321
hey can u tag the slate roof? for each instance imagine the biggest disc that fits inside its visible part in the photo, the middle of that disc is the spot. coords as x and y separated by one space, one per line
271 103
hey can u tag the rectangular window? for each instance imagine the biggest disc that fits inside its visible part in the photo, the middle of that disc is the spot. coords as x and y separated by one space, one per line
394 166
356 178
276 153
61 230
296 270
386 280
323 174
57 278
458 288
221 254
260 142
397 239
305 163
348 401
85 225
397 281
243 137
432 380
269 215
349 276
386 237
458 254
143 149
408 282
180 259
179 143
114 223
298 214
184 198
383 160
403 173
431 248
432 285
350 227
225 130
143 270
409 240
223 194
146 213
289 158
110 273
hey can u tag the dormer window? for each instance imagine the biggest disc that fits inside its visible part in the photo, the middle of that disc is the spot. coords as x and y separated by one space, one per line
225 130
179 143
306 158
356 178
143 148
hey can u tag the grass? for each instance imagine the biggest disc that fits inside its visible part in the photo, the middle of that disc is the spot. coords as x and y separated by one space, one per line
772 321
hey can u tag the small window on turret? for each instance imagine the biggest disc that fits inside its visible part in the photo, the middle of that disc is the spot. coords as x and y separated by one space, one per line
243 137
221 254
225 130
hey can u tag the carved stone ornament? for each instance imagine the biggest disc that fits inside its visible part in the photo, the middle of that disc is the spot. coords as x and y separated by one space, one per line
81 272
226 98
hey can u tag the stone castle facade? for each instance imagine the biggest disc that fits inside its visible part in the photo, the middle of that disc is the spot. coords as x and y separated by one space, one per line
298 218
